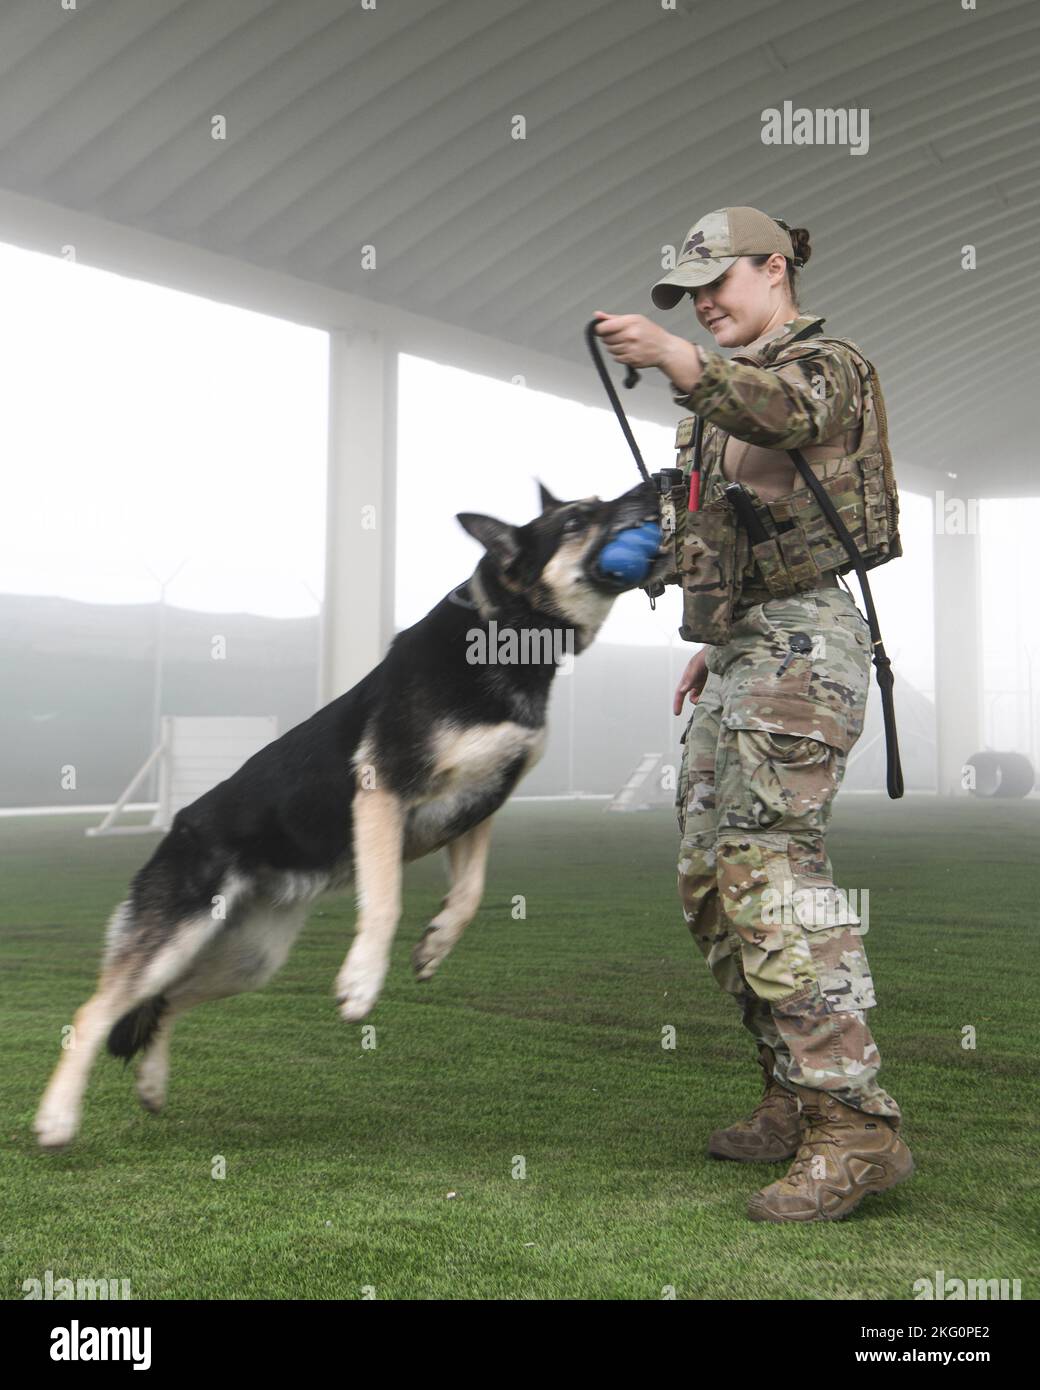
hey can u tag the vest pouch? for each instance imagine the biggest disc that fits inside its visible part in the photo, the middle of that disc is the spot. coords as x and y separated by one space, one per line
882 531
708 572
802 569
810 545
770 565
846 493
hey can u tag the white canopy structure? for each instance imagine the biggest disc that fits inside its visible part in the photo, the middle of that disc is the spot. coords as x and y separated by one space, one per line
466 180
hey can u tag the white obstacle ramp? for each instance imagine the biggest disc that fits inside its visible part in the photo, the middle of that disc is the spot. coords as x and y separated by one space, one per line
195 752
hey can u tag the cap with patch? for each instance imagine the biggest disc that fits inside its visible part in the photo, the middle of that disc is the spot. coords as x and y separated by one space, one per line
713 244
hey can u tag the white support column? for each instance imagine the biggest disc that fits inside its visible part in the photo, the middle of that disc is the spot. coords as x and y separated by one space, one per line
958 658
357 615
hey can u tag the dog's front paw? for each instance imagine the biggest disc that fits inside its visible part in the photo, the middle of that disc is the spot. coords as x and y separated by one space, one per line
358 986
432 947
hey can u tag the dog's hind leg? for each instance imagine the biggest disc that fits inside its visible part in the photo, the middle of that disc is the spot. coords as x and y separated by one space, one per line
133 975
378 844
468 856
153 1070
243 957
57 1119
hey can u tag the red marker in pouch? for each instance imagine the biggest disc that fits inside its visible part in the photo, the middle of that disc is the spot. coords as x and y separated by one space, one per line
695 472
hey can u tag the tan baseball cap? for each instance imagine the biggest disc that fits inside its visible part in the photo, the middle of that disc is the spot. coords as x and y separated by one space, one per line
713 244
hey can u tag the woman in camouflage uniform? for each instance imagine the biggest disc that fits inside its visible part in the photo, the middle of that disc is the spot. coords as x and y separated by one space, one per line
778 707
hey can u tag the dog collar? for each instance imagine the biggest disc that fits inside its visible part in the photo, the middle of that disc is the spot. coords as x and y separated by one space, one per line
479 600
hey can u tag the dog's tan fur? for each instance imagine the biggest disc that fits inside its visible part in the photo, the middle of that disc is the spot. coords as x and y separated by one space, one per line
166 952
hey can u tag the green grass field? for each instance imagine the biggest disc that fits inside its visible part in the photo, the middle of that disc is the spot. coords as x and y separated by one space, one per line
540 1038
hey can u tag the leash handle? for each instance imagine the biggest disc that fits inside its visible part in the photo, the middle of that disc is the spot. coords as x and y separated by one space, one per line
631 378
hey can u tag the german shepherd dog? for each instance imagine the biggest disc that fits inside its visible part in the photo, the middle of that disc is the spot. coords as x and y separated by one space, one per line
418 756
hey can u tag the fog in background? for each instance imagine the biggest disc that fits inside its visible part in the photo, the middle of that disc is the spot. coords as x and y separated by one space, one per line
149 435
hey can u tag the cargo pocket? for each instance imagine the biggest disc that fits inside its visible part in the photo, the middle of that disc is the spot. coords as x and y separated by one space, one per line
778 618
782 665
790 720
856 624
836 947
695 795
840 678
754 872
792 777
790 755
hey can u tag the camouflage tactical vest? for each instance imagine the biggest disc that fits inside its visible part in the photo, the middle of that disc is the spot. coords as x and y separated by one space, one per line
715 557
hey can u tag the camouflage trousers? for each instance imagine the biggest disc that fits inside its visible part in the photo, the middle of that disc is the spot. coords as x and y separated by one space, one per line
763 757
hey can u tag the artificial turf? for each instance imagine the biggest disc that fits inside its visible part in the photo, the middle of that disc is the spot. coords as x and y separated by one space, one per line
518 1131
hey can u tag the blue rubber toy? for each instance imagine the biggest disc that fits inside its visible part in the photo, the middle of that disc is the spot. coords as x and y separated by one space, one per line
628 557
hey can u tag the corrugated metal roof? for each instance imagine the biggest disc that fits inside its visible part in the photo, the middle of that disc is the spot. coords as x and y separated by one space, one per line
393 128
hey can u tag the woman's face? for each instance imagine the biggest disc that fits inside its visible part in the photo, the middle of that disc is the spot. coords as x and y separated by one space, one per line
738 306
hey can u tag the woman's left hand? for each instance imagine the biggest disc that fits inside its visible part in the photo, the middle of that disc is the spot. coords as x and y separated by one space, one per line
634 339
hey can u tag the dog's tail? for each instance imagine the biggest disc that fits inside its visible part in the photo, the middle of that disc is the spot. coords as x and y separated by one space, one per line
134 1031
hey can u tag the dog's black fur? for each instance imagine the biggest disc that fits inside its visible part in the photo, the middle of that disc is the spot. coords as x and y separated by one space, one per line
281 830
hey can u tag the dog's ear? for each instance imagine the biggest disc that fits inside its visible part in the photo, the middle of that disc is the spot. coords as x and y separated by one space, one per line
498 538
548 500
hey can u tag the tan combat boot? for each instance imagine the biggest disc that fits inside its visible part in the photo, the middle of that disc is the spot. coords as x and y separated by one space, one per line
845 1155
770 1133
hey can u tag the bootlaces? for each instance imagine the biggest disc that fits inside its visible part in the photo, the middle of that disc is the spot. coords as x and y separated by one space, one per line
815 1137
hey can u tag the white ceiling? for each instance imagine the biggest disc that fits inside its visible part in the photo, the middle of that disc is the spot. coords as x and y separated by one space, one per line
391 127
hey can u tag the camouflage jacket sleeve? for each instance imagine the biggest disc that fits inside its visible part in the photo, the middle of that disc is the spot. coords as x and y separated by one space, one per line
786 406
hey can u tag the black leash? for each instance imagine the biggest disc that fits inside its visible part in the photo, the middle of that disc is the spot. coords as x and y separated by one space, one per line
631 378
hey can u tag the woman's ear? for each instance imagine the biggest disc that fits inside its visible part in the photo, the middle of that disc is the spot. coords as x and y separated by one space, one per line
776 268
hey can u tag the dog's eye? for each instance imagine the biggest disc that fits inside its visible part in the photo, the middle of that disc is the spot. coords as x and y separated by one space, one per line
574 523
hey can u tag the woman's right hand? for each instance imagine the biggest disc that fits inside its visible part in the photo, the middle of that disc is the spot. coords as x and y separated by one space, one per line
692 681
